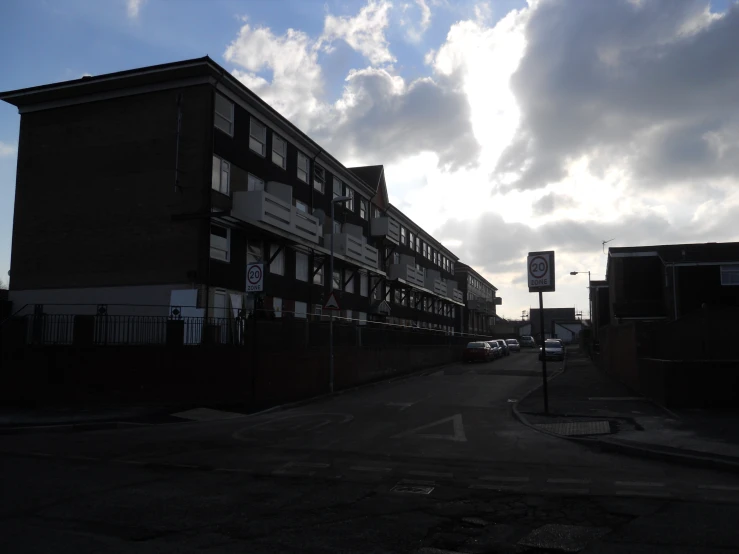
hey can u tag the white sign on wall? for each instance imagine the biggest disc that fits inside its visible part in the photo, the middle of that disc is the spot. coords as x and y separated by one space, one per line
255 277
540 271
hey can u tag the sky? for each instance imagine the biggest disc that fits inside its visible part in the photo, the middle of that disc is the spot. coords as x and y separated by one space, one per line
504 126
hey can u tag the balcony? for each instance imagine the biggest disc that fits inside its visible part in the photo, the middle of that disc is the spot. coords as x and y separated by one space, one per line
408 273
263 207
354 248
457 295
477 304
385 227
435 283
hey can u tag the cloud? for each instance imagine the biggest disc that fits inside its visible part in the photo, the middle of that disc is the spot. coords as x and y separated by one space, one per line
133 7
297 81
365 32
7 150
379 117
414 33
550 202
651 86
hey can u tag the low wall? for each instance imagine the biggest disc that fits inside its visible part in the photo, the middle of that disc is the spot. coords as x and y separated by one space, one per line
690 383
201 374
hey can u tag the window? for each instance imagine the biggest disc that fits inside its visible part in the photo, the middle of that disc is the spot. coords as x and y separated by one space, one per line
301 266
375 211
412 299
729 274
224 114
301 206
279 151
319 178
362 318
418 244
301 310
303 167
254 183
451 268
363 208
257 136
253 253
410 240
388 294
348 281
425 252
397 296
277 267
402 235
220 242
337 279
396 258
337 227
350 193
363 284
338 186
318 273
220 177
277 306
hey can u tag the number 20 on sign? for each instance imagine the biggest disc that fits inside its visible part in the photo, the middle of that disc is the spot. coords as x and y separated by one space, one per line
540 269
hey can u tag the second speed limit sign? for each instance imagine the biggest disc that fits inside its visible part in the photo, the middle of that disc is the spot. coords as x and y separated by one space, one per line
254 277
540 270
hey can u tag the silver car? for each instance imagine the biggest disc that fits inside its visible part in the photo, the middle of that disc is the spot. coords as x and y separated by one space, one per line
513 345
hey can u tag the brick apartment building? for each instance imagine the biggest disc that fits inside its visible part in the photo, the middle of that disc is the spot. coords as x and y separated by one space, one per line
480 300
155 187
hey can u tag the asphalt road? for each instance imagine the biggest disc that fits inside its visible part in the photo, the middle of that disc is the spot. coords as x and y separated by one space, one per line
435 461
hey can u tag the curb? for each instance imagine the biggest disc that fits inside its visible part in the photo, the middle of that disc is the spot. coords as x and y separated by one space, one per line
685 457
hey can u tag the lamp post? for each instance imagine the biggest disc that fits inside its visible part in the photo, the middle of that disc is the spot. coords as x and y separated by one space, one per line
590 303
334 200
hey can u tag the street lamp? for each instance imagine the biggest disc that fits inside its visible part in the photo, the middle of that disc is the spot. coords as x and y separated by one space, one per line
334 200
590 303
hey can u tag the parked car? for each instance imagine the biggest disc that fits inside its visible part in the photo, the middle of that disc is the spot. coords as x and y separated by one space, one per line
513 345
504 347
497 352
528 341
553 349
478 352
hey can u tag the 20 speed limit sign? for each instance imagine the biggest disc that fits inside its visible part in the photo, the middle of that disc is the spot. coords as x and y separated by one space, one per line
540 270
254 277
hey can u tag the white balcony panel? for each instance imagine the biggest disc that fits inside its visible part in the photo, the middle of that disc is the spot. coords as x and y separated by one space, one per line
353 248
457 295
263 207
385 226
408 273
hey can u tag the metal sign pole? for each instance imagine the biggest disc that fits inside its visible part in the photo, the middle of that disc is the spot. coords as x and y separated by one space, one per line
543 352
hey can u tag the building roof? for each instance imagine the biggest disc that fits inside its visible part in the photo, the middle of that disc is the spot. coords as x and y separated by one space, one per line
463 267
156 77
717 252
370 174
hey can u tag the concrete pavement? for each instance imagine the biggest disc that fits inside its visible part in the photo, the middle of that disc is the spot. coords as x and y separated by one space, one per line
431 462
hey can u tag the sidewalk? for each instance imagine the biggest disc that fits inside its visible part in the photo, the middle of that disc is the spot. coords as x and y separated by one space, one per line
587 405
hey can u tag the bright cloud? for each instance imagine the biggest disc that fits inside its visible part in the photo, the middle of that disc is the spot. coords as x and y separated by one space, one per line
133 7
558 125
364 32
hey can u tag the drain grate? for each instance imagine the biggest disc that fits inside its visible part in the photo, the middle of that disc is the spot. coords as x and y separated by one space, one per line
571 428
412 489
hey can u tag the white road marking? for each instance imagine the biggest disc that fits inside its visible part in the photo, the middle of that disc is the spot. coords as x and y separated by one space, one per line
622 398
505 479
565 491
496 487
567 481
369 468
458 427
719 487
638 484
431 474
643 493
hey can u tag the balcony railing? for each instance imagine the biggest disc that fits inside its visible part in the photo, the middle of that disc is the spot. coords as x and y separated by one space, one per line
457 295
408 273
353 248
385 227
437 285
261 206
